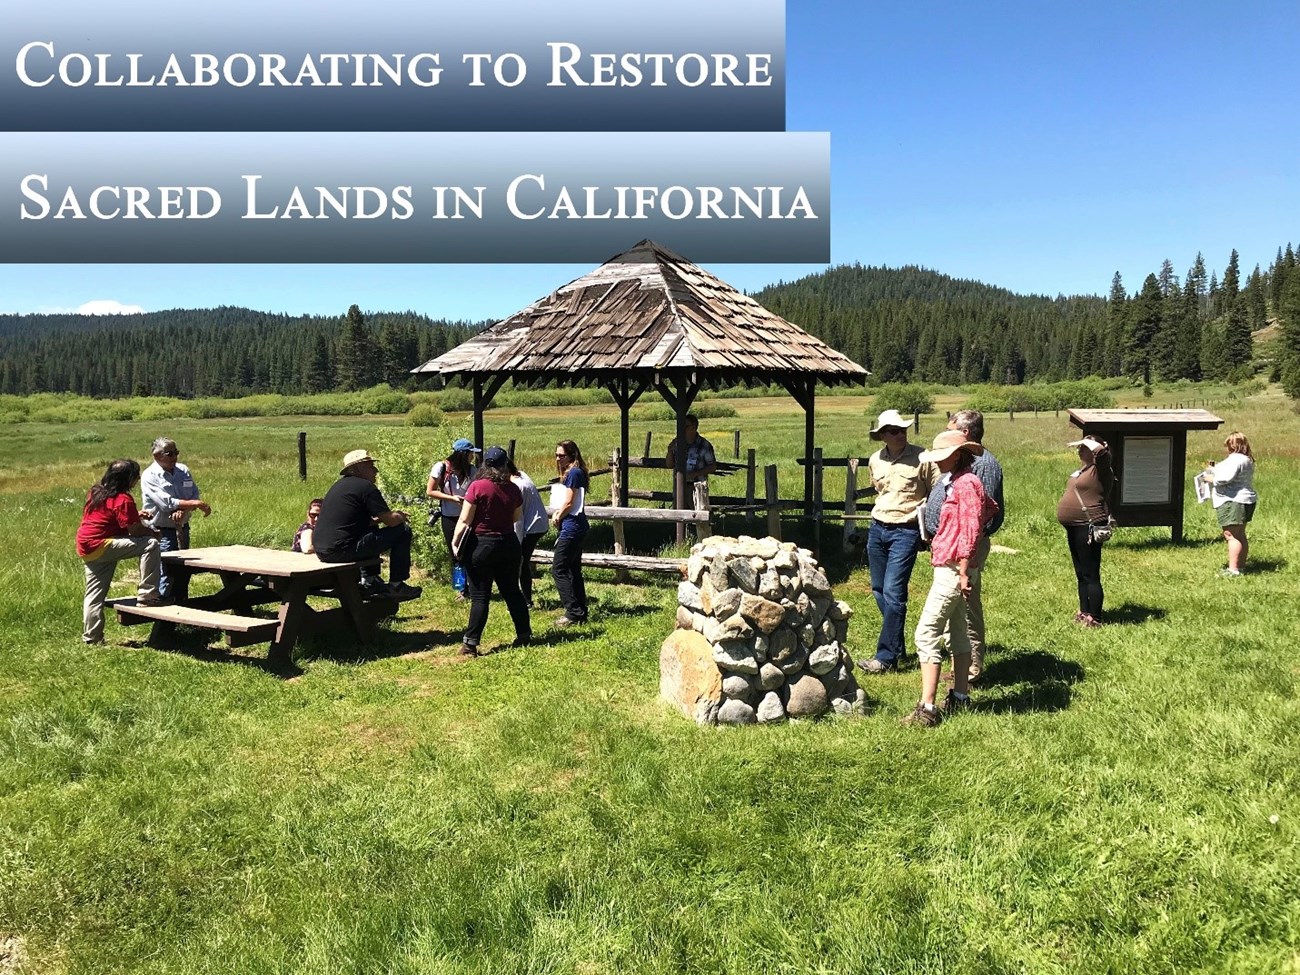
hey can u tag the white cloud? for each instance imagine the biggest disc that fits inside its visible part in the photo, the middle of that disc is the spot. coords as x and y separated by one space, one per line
100 306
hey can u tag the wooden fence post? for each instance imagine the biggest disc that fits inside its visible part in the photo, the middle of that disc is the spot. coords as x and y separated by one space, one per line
916 422
773 502
510 451
1011 415
735 447
302 455
750 470
850 502
703 529
819 471
645 454
616 500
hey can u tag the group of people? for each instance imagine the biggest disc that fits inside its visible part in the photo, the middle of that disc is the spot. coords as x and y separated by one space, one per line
492 517
952 496
113 528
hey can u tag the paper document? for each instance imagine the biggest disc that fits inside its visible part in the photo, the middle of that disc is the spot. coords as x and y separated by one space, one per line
1202 489
558 494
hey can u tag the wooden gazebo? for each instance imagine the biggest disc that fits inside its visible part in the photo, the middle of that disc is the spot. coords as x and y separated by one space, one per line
648 319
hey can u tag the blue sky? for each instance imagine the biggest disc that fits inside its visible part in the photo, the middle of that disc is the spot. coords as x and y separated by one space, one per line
1039 147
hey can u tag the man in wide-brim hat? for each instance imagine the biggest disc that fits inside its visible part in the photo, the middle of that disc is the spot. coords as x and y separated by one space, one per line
966 510
356 525
902 481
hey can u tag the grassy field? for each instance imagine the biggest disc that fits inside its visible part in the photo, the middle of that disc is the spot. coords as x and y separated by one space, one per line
1121 800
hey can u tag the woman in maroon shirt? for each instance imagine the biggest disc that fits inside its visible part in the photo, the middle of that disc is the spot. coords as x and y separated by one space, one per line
485 542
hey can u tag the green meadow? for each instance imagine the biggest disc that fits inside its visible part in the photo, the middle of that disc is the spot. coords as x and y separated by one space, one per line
1120 800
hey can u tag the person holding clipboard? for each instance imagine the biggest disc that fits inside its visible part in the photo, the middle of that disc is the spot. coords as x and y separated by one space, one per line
568 517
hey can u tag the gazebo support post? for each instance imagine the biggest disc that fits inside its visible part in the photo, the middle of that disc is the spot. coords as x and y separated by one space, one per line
625 396
804 393
484 391
680 399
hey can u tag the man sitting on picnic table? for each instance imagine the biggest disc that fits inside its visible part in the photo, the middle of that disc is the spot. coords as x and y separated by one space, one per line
700 460
346 529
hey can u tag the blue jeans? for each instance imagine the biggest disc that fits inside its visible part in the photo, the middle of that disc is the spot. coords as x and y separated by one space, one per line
891 553
171 540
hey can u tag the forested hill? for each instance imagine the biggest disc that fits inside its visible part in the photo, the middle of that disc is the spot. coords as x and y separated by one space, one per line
222 351
901 323
910 323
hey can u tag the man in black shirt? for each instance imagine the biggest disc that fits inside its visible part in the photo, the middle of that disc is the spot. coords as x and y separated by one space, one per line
346 530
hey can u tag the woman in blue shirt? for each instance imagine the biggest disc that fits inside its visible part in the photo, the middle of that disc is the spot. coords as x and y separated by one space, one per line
571 520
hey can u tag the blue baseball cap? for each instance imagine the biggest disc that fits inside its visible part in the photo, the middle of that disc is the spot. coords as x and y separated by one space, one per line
463 444
495 457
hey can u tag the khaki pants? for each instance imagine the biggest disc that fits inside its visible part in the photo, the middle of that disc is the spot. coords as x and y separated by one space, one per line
944 613
975 605
99 576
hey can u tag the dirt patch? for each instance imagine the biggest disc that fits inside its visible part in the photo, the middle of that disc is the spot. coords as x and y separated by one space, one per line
373 738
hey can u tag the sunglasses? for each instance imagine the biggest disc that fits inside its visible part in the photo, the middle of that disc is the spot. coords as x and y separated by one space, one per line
169 453
892 431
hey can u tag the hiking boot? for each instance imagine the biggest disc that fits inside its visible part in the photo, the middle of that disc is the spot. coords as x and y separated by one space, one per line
374 588
923 717
402 592
952 703
875 666
468 650
564 621
522 641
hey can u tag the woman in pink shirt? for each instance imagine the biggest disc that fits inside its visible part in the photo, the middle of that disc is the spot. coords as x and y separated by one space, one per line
966 509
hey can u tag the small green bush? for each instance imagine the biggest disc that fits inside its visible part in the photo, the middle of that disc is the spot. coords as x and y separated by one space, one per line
424 415
456 400
84 436
907 398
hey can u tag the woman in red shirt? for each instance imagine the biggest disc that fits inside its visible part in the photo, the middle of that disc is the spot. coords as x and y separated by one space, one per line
966 510
485 542
113 529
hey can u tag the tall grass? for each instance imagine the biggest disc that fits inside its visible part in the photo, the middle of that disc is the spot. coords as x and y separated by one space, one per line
1108 806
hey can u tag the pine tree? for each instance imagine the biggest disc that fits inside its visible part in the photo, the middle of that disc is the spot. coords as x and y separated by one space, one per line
1199 283
318 374
1116 328
1238 345
356 366
1144 324
1256 302
1230 288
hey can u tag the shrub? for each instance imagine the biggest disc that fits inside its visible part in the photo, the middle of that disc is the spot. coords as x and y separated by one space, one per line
662 411
404 462
456 400
424 415
907 398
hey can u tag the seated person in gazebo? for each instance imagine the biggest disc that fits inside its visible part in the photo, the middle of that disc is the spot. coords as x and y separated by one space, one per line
700 460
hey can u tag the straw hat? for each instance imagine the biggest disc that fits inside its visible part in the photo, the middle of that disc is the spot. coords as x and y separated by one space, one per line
948 443
890 418
354 457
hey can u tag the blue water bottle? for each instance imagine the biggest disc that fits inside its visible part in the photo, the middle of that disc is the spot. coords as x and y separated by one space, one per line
458 577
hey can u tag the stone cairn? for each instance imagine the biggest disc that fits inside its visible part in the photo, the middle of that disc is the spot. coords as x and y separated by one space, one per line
760 637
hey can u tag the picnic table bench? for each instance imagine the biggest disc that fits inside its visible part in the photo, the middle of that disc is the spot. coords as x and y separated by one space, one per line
250 577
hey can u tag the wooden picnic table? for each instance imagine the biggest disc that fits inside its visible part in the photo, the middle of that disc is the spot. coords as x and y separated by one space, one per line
252 576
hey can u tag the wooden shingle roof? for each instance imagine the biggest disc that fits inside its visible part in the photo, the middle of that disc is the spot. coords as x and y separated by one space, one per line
646 312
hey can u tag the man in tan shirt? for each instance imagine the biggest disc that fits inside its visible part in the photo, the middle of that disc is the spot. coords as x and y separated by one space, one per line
902 481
